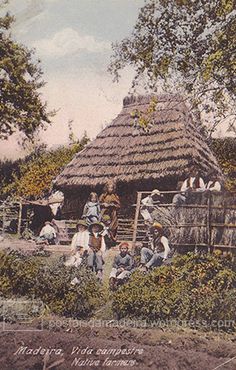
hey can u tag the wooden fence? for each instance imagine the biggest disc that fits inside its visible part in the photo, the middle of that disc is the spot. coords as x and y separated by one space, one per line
209 222
210 225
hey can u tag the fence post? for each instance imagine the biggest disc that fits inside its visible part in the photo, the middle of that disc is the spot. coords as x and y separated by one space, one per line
3 219
19 220
138 204
209 229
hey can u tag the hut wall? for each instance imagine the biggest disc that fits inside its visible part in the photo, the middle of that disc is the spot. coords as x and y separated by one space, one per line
76 198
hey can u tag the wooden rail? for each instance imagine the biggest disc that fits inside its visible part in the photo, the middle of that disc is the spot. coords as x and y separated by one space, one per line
209 225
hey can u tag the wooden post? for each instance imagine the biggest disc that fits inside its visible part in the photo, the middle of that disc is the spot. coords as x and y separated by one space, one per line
138 204
19 220
209 228
3 218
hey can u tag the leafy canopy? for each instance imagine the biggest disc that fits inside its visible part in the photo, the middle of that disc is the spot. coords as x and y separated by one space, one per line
32 177
187 47
21 108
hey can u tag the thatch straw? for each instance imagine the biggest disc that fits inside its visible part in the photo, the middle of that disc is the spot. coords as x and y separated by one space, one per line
122 153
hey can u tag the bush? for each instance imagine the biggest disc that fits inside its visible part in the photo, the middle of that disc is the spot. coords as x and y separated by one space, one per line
196 288
31 277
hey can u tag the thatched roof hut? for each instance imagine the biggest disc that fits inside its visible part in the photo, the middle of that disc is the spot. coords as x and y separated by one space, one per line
143 159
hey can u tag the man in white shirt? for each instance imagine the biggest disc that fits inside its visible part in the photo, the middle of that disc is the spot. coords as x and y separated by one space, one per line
193 183
213 184
158 249
48 233
148 205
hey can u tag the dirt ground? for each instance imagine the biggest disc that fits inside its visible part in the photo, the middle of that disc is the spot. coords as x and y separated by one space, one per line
94 346
149 349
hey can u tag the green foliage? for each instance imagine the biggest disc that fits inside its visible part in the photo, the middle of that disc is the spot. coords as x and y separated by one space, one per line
21 108
225 152
186 47
30 277
32 177
201 289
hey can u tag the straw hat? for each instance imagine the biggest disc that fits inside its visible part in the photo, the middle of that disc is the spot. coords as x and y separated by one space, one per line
82 223
156 226
155 192
106 218
98 224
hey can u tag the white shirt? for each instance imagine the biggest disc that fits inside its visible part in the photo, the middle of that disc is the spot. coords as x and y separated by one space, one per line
185 186
165 243
80 239
148 201
215 187
48 229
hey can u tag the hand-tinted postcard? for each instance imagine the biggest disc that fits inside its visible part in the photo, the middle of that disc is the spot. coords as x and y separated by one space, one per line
118 182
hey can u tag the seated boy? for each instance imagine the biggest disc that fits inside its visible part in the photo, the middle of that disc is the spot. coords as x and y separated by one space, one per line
48 233
158 248
122 266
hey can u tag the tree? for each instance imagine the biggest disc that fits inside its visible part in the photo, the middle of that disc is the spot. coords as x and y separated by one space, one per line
186 47
32 177
225 152
21 108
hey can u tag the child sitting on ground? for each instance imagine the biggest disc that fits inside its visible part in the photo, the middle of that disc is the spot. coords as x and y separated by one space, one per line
79 244
92 211
122 266
48 233
97 248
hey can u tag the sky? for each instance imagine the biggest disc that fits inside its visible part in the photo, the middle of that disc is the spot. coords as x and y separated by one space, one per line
72 38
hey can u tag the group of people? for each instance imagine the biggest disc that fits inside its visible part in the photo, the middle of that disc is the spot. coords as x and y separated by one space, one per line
194 183
96 231
88 246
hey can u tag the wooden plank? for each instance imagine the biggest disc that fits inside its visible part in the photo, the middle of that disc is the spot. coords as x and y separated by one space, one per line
139 197
19 220
209 222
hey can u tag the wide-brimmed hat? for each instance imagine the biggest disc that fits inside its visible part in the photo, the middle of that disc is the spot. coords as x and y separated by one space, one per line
101 227
156 226
82 223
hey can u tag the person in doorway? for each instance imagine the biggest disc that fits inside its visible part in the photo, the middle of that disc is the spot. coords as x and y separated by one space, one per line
122 266
110 204
97 248
92 211
158 248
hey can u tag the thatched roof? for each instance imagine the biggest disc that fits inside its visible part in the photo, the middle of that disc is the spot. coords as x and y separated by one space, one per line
126 154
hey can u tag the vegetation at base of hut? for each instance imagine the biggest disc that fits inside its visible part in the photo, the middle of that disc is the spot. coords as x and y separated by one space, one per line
31 277
32 176
197 290
186 47
225 151
21 106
